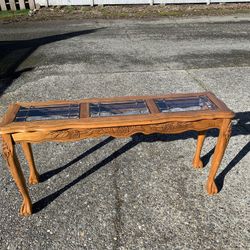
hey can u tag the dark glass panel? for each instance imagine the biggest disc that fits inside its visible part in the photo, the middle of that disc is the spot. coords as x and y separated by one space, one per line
184 104
118 108
53 112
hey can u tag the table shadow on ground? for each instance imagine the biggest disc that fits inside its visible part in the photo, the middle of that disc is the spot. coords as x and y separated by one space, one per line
13 53
241 126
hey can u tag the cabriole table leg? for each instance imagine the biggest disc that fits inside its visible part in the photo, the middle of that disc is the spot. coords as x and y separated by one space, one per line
197 162
17 174
223 139
34 176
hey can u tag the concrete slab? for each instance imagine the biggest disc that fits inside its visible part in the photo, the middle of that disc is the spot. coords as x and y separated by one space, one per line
76 86
230 84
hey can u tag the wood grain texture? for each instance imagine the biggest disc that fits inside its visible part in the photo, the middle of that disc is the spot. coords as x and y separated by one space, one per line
17 174
222 142
90 123
119 131
34 176
10 115
155 117
84 110
152 107
197 162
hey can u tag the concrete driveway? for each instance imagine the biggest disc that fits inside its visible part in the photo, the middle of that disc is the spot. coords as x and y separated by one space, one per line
139 193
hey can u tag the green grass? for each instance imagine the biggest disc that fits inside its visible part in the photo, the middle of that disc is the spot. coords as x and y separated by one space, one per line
11 13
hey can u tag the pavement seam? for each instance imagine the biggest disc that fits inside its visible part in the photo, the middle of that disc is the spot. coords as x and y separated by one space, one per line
42 68
199 82
188 71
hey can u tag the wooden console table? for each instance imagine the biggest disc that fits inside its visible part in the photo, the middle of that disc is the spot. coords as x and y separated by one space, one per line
62 121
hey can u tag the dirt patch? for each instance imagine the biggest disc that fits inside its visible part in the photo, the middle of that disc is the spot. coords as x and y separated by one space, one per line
139 11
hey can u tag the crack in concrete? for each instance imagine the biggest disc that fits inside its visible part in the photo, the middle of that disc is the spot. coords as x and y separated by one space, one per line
43 68
199 82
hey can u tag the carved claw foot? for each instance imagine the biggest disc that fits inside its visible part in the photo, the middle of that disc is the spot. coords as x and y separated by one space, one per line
212 188
26 208
198 164
34 179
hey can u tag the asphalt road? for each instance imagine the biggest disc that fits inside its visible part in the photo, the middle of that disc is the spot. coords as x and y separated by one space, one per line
121 193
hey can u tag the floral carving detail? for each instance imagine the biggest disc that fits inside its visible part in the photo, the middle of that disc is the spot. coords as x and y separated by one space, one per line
121 131
6 150
65 134
168 127
228 132
125 131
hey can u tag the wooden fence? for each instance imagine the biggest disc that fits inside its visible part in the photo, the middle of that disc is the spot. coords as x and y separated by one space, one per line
117 2
30 4
17 4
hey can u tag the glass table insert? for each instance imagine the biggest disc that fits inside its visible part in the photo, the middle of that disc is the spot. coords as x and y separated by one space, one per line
53 112
134 107
184 104
115 108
